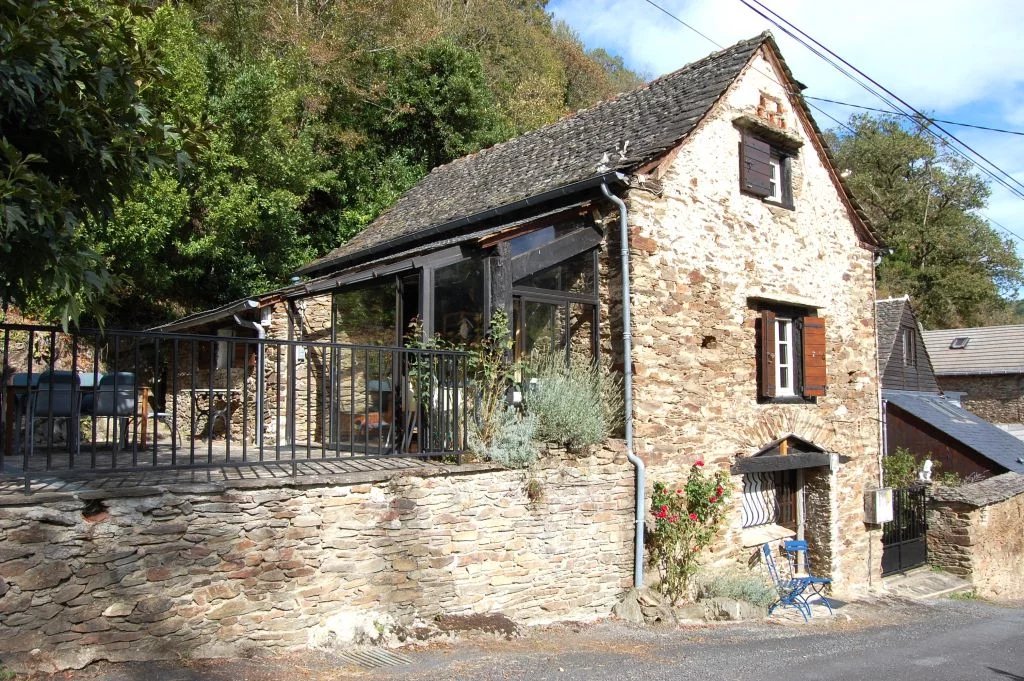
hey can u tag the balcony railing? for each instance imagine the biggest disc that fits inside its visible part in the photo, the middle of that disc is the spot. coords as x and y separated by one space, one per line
94 403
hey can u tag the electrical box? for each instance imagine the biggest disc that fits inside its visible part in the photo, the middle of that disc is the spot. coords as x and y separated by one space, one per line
878 506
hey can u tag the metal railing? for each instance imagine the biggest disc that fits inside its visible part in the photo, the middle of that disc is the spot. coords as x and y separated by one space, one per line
97 403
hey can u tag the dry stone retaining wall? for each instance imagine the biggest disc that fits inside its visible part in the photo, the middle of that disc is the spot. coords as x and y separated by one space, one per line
193 570
999 399
977 531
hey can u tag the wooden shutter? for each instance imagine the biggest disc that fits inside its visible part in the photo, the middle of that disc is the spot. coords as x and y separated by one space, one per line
814 378
767 358
755 170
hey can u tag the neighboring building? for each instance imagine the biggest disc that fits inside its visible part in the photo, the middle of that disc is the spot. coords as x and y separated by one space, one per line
919 418
985 366
751 275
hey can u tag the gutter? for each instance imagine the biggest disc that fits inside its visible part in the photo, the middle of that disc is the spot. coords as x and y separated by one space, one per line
452 225
627 371
198 319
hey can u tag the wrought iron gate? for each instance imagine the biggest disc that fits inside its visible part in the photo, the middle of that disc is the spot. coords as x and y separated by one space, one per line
905 539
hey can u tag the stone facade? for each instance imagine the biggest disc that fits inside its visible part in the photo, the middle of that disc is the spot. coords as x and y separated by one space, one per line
207 571
998 399
977 531
702 253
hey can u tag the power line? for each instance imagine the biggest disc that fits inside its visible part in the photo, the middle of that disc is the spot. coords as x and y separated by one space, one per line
901 113
872 91
946 133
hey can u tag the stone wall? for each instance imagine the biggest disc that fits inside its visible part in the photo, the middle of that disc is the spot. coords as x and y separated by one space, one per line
977 531
703 254
998 399
207 571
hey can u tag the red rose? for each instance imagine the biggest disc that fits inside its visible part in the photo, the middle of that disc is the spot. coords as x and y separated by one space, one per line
712 498
679 491
699 463
693 516
719 490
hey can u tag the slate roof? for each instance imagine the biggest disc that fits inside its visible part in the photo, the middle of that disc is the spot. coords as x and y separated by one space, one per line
961 425
888 315
991 350
653 119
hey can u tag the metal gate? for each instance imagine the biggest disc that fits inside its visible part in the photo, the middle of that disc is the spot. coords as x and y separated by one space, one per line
905 539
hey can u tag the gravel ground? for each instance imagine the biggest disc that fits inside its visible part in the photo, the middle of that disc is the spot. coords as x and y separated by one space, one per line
885 639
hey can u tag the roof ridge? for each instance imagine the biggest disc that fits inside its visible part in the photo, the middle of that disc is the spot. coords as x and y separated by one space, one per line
614 99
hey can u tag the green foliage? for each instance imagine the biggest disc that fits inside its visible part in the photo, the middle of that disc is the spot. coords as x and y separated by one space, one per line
494 370
738 585
76 134
899 468
923 199
687 519
578 404
302 121
512 435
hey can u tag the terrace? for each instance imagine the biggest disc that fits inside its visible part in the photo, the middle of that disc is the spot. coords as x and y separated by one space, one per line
130 408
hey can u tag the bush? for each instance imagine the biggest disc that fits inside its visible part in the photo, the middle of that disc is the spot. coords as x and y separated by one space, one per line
739 586
686 520
512 437
577 405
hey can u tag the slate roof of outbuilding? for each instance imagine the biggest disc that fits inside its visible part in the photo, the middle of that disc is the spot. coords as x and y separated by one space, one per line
888 315
653 119
963 426
991 350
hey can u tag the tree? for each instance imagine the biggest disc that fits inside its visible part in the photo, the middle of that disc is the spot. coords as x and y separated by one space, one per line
75 134
924 201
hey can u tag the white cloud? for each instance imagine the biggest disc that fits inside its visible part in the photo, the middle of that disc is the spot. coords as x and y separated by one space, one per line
953 59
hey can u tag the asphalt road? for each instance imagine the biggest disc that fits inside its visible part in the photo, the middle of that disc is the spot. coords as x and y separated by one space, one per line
944 640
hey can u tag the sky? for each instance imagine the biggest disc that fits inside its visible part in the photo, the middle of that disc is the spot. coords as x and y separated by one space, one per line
961 61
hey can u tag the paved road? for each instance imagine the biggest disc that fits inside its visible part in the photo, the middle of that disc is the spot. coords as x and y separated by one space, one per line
942 641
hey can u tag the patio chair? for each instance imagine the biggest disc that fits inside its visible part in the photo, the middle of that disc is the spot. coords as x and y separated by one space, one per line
115 397
790 591
57 395
797 552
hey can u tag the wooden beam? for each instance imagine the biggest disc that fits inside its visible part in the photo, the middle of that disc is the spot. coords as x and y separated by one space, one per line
555 252
766 463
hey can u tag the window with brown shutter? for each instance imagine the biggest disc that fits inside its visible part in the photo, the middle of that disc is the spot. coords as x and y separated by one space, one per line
790 355
755 166
765 171
814 378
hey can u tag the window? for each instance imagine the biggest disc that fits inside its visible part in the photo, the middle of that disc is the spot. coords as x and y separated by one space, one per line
765 171
909 339
959 343
791 354
770 498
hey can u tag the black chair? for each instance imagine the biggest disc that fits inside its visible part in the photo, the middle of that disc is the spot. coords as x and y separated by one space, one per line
57 395
115 397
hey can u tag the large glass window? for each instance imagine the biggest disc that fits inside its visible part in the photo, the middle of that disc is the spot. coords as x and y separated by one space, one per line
459 301
366 315
575 275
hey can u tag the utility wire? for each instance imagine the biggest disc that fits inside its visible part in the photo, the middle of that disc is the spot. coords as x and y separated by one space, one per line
864 85
901 113
778 18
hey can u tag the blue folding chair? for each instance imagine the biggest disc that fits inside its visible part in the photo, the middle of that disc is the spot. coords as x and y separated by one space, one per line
789 590
115 397
797 552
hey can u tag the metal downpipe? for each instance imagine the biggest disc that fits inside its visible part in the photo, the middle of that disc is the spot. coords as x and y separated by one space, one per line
627 371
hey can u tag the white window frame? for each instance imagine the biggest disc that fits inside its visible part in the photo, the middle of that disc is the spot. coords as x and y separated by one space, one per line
775 179
784 357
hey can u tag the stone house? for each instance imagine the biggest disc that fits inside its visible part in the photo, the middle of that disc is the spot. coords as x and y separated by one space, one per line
916 414
750 343
984 368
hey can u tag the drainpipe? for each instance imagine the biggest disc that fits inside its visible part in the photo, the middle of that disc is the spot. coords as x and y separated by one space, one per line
261 333
627 370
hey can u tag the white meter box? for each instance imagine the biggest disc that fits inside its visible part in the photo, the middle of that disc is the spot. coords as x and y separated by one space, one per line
878 506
